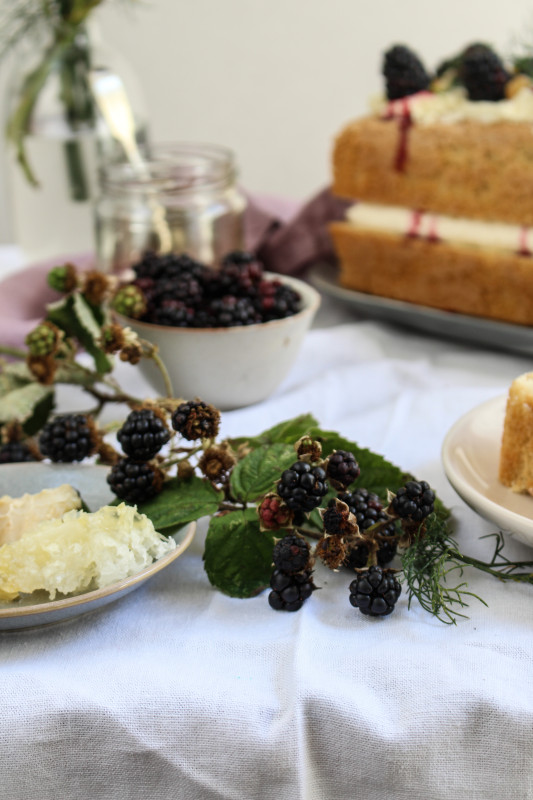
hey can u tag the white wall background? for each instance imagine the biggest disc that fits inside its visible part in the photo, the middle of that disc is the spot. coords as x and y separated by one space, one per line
275 79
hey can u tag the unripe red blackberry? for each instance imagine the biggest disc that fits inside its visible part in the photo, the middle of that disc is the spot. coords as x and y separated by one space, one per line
414 501
342 469
291 554
273 513
302 486
135 482
143 434
375 591
68 438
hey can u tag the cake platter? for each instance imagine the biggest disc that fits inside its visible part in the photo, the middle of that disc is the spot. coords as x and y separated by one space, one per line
488 333
470 457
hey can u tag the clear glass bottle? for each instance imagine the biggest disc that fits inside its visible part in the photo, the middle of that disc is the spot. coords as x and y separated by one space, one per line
185 199
65 141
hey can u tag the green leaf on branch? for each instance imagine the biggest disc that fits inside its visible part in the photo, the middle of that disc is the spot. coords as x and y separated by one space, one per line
181 502
238 556
13 376
41 411
74 316
287 432
256 474
21 403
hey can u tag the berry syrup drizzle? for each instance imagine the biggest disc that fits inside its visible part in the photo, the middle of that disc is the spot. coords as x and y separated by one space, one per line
401 110
523 248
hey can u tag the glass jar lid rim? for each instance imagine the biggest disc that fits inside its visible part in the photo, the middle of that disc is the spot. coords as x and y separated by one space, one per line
178 167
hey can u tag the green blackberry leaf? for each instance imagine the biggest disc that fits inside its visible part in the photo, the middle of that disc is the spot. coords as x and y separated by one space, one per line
21 403
257 473
287 432
74 316
39 416
180 502
238 556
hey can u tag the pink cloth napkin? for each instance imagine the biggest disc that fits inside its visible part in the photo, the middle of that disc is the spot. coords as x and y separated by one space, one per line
286 236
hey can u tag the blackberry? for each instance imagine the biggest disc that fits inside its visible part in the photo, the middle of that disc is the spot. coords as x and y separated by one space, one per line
230 311
130 301
342 468
276 300
368 509
302 486
133 481
364 505
290 591
404 73
483 73
173 313
196 420
239 274
375 591
15 452
168 265
291 554
143 434
414 501
68 438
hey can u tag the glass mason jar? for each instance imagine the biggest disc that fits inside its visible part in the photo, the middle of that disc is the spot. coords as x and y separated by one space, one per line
184 199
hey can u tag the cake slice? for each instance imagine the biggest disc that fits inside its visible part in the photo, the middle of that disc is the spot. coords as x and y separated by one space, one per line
516 454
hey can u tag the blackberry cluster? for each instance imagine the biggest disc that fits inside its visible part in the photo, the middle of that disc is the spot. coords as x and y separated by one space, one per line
368 509
375 592
302 486
414 501
342 468
68 438
143 434
483 73
404 73
196 420
181 292
291 581
134 481
15 452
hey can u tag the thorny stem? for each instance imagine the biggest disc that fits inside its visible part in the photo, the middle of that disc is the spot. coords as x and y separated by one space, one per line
169 391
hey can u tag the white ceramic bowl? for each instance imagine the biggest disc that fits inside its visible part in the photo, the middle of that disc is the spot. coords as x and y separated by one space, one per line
229 367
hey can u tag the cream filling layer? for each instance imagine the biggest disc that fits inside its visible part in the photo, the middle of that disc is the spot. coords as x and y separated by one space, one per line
434 227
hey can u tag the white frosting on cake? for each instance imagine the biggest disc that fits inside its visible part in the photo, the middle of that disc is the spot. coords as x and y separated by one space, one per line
427 108
406 221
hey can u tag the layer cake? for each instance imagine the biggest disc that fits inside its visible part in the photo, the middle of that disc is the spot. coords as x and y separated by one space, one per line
442 186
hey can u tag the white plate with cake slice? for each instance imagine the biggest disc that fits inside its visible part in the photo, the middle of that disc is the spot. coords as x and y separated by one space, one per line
471 456
485 332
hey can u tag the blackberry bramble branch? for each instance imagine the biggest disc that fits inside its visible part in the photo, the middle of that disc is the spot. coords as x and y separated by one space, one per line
282 505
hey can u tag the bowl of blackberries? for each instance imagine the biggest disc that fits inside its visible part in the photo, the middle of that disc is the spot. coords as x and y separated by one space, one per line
228 334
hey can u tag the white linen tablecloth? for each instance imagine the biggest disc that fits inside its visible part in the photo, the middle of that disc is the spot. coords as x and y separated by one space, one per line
177 691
